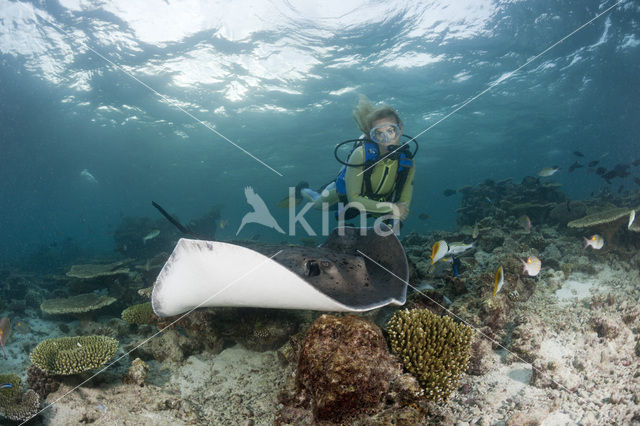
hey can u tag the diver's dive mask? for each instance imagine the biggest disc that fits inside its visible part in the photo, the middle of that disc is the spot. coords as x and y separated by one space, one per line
384 133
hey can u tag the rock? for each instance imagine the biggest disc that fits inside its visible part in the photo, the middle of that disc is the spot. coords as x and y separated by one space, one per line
481 359
169 345
563 213
345 367
606 325
528 418
527 337
137 373
589 419
404 390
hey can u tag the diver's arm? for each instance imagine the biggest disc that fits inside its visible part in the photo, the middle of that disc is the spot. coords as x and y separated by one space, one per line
353 180
407 190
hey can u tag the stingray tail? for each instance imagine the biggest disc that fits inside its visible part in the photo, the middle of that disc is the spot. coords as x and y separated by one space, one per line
175 222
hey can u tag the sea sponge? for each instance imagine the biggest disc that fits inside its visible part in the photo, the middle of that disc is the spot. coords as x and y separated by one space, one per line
434 349
141 313
14 405
73 355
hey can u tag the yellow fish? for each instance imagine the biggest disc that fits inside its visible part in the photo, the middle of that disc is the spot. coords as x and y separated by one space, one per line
439 250
223 223
531 266
498 281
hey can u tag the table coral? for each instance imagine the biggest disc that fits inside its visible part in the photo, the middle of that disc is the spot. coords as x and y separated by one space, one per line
73 355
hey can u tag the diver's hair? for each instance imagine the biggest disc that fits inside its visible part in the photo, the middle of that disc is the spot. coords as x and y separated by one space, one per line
365 114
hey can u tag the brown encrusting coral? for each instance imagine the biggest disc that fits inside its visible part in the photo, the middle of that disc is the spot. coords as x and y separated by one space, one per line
345 368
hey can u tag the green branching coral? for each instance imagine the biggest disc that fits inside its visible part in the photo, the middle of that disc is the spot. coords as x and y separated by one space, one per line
13 404
434 349
140 314
73 355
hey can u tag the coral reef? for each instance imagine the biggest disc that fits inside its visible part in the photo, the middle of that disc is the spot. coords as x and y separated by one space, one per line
42 383
140 314
79 304
605 221
14 405
480 360
73 355
500 200
260 332
434 349
345 368
137 373
90 271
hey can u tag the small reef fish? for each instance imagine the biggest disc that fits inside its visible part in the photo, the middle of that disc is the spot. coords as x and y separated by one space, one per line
632 217
575 165
5 331
459 248
439 250
475 232
21 327
448 192
223 223
531 266
150 236
548 171
6 386
423 216
498 281
578 154
525 222
86 174
593 163
596 242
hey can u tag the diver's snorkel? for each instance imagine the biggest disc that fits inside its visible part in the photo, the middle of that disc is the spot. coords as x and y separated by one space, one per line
393 149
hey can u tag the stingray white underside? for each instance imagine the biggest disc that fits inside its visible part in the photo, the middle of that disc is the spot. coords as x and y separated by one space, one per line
212 273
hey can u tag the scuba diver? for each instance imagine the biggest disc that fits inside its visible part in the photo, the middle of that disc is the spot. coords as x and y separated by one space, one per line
378 174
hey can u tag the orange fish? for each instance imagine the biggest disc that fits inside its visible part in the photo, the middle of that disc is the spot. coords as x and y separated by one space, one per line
5 331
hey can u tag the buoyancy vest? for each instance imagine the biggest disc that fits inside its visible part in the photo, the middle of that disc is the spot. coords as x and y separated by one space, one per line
372 153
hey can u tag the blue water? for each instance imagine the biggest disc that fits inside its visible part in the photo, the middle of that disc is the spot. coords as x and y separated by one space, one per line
281 79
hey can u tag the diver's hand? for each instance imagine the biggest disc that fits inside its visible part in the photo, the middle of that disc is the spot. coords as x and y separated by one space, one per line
401 210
